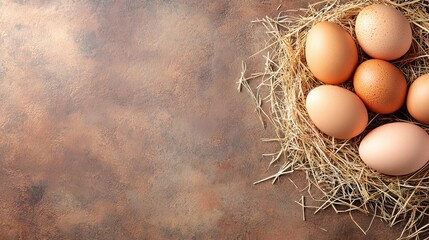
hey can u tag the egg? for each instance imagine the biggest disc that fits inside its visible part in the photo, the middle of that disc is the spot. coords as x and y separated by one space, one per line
383 32
418 99
380 85
331 53
336 111
395 148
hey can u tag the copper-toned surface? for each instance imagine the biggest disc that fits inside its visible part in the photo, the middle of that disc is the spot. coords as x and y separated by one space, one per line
121 120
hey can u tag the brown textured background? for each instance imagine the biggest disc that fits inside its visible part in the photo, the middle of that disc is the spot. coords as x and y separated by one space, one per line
121 120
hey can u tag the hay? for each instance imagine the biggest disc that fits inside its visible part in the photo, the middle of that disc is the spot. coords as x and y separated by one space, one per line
333 165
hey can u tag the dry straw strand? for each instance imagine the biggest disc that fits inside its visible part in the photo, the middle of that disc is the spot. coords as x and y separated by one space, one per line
333 166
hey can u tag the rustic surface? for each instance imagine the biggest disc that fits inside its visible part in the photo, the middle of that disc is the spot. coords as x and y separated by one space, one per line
121 120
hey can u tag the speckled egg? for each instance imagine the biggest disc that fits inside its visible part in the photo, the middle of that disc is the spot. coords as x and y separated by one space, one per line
383 32
336 111
331 53
380 85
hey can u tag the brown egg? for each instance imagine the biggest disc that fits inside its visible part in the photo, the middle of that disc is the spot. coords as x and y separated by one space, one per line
383 32
380 85
336 111
331 53
418 99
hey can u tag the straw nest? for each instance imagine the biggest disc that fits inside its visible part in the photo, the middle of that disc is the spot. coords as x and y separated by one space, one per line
333 165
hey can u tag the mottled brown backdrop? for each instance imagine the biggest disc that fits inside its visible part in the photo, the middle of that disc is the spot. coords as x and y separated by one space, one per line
120 119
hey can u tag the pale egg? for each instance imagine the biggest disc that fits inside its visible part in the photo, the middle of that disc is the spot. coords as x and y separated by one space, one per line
395 148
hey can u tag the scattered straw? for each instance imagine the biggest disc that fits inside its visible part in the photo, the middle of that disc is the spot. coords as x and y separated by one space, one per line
333 166
293 183
303 207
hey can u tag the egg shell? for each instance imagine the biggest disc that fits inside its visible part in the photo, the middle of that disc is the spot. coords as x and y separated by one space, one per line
418 99
380 85
331 53
383 32
336 111
395 148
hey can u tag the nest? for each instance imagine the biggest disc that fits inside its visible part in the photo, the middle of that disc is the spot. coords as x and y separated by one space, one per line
333 165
